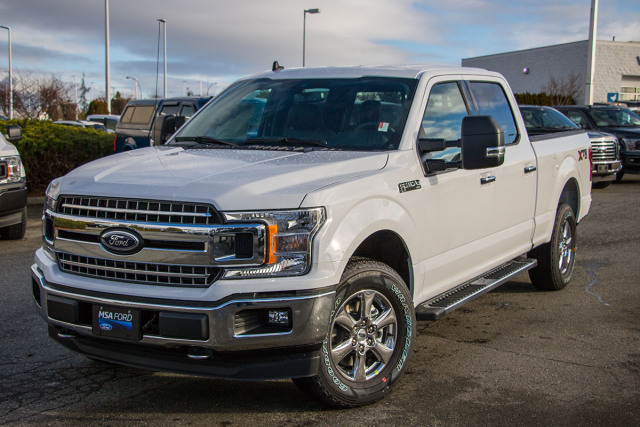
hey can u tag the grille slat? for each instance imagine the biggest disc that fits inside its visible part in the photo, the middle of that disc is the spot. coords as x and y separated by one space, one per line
144 211
604 150
139 272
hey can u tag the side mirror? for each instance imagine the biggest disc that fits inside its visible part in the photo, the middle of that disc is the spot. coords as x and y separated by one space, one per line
482 143
14 133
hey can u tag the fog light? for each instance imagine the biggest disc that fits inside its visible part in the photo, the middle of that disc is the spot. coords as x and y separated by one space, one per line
279 317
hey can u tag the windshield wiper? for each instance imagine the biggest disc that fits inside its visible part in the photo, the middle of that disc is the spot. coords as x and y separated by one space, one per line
204 140
286 140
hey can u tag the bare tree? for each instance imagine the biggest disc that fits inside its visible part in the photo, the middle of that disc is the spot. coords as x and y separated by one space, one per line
37 98
563 91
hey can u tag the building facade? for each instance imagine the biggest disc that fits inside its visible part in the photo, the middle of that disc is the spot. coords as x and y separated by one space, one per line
616 77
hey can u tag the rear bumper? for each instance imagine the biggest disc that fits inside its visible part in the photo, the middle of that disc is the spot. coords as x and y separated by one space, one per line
226 339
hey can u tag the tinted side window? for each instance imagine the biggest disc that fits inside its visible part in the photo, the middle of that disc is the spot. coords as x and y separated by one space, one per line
187 110
577 118
443 119
492 101
169 109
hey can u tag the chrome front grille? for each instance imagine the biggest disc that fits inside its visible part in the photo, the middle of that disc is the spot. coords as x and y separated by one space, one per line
604 151
144 211
138 272
180 244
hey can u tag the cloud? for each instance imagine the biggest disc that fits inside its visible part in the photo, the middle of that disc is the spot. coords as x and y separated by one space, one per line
216 41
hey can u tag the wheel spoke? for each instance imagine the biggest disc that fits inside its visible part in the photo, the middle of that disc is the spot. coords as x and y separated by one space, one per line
383 352
386 318
359 367
340 351
345 320
367 303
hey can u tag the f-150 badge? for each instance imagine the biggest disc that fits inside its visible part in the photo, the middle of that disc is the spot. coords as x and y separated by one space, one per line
409 185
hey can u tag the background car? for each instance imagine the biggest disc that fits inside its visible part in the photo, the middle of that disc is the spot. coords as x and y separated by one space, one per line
13 187
109 120
619 121
541 120
83 124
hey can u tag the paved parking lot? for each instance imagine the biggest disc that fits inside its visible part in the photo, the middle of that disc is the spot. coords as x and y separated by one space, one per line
516 356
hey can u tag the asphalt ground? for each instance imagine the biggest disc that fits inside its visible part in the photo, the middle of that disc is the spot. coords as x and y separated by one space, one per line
516 356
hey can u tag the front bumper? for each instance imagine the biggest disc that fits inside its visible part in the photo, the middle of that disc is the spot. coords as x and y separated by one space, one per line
224 339
630 161
12 203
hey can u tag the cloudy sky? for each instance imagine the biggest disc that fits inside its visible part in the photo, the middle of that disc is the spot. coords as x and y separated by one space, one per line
210 43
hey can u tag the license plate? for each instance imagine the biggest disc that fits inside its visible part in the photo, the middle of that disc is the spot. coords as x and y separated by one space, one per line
116 322
603 168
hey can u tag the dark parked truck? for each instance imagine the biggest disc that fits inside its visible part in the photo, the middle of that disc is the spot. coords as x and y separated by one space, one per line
146 122
540 120
298 225
619 121
13 187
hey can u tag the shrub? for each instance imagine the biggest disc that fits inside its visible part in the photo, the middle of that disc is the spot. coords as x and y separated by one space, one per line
50 150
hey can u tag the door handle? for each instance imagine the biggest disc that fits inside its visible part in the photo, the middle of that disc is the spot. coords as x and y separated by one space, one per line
529 169
487 180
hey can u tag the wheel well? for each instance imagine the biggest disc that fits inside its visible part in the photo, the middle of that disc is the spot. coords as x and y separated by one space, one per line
571 196
387 247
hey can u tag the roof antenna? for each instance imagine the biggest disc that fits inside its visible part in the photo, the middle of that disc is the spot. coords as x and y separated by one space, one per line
276 66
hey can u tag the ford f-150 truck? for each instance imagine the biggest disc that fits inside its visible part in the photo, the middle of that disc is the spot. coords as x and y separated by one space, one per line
299 223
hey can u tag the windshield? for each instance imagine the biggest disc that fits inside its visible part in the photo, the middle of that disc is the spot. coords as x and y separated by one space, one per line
616 117
545 118
358 114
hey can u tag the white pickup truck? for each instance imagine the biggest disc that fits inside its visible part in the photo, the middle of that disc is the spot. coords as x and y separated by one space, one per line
298 224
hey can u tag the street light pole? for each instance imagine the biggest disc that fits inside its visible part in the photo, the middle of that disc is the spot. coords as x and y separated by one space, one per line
106 56
10 76
75 106
164 28
304 30
135 86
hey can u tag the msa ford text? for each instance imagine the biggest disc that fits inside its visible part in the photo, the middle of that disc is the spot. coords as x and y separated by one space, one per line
297 225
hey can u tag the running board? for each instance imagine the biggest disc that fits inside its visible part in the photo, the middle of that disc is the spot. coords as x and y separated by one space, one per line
455 298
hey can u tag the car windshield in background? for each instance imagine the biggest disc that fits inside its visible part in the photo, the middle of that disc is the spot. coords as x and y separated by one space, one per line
357 114
537 118
614 117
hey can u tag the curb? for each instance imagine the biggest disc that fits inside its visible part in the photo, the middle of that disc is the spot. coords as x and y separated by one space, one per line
35 201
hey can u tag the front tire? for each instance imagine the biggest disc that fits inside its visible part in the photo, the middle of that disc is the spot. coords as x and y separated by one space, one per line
370 339
556 259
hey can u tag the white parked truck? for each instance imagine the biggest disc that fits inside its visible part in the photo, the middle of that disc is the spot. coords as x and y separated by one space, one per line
297 225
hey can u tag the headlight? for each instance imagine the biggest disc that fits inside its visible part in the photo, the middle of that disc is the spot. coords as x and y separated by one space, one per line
288 241
50 198
11 170
630 144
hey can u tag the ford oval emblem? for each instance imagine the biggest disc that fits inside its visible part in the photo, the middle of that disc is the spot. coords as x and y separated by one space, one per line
106 326
121 242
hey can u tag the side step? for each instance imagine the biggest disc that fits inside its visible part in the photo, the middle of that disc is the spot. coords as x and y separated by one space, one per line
455 298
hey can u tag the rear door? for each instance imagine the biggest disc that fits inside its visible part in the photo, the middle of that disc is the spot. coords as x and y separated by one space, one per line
515 182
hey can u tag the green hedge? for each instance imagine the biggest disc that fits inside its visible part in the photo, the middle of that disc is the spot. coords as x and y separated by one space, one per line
49 150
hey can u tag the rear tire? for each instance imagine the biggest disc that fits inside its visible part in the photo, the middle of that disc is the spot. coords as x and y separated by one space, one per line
16 231
556 259
370 339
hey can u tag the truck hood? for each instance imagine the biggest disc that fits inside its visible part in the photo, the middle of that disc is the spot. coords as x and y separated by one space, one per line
230 179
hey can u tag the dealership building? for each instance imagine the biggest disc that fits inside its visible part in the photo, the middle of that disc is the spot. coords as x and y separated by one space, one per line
616 76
